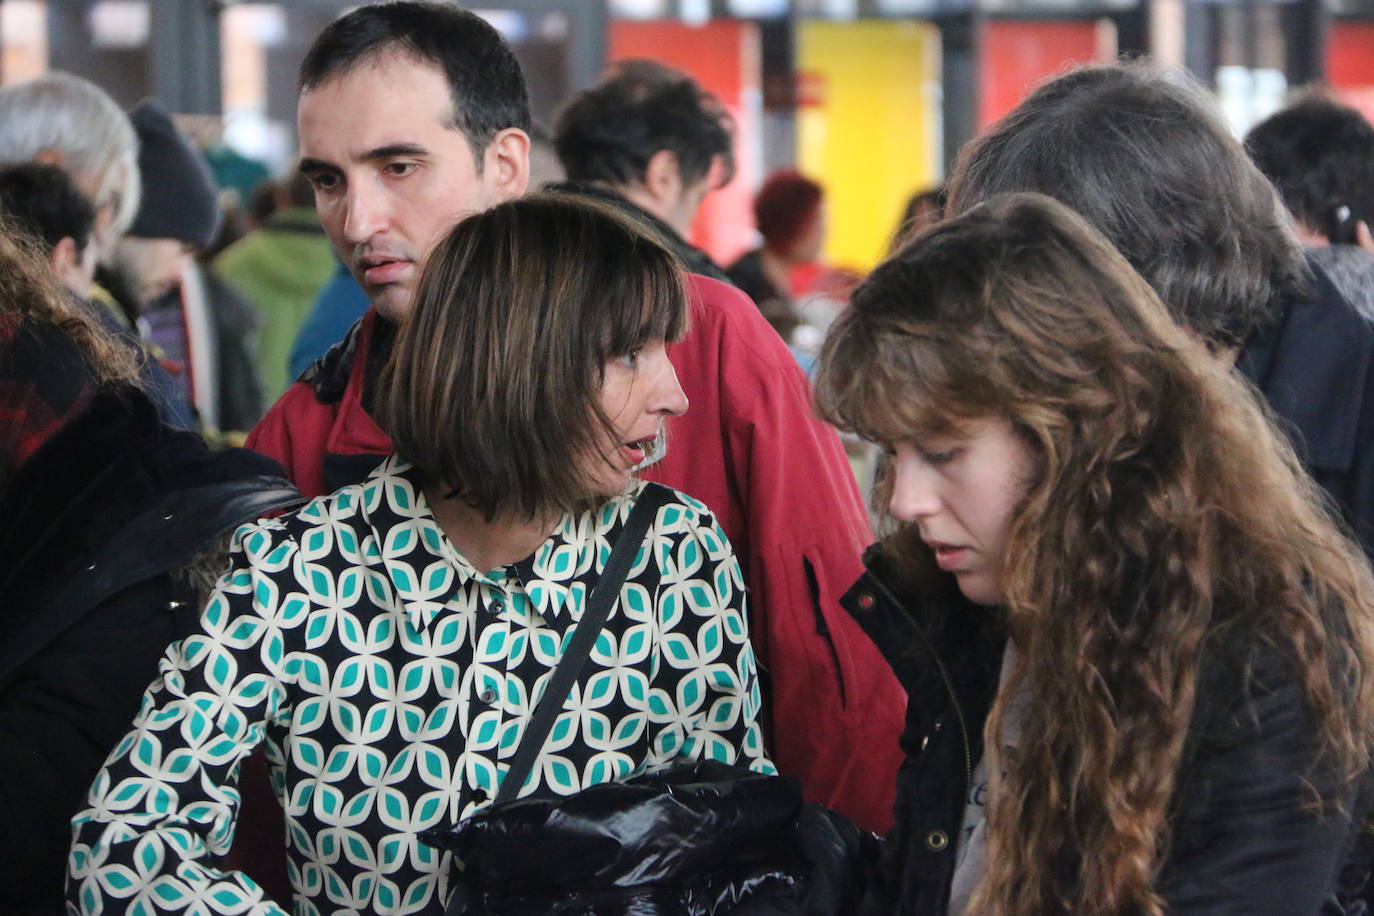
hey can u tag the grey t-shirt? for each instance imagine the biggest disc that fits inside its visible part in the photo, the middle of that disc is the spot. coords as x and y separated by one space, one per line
971 849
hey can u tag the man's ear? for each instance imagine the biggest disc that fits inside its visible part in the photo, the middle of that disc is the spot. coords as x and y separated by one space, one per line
506 163
1363 237
66 260
662 179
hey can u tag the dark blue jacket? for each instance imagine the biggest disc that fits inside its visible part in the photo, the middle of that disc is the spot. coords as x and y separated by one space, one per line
1316 369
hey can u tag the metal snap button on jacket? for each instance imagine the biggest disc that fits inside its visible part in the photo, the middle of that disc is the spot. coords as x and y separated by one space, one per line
937 840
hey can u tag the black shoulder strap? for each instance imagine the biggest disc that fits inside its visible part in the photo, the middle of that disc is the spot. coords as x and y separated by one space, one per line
603 598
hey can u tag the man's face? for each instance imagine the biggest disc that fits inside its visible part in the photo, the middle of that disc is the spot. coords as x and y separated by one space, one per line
150 267
391 173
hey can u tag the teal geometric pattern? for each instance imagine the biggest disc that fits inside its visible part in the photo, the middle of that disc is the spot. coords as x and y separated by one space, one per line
391 682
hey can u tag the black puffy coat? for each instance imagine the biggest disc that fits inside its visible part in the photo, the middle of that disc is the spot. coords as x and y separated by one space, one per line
92 528
1243 840
704 839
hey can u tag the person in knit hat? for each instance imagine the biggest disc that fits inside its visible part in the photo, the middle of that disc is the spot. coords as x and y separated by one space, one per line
197 325
177 216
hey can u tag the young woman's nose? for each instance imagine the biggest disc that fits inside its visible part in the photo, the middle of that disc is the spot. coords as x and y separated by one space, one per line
914 492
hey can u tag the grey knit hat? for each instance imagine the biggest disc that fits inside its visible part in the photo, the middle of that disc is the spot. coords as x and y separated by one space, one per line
178 190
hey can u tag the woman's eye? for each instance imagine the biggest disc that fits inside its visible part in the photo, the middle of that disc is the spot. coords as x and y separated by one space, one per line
629 360
938 458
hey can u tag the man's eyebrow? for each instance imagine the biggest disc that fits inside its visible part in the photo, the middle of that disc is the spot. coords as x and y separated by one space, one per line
306 166
393 150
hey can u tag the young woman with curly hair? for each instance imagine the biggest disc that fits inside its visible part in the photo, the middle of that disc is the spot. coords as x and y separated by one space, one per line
1137 646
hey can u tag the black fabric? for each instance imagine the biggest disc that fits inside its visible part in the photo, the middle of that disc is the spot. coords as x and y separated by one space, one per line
44 382
1241 845
178 190
328 375
693 259
704 839
1315 367
748 274
92 529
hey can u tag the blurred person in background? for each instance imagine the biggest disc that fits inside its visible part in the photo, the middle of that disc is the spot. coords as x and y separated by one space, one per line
43 201
63 120
281 266
1144 155
923 209
651 141
111 526
413 115
1320 155
339 305
201 328
789 213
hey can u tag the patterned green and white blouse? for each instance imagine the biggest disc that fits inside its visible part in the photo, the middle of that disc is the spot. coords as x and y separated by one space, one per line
391 682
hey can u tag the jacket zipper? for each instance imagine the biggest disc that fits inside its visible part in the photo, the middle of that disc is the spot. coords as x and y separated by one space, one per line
949 688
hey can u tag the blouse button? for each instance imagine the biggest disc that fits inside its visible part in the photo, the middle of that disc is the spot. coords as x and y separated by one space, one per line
865 601
937 840
487 696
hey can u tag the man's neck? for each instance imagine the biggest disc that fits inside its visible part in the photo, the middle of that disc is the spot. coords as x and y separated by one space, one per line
487 544
651 205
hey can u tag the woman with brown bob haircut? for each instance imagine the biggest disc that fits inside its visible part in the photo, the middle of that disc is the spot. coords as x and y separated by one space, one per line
493 391
390 642
1136 645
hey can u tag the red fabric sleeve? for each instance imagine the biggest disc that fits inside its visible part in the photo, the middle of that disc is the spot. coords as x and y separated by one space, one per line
785 493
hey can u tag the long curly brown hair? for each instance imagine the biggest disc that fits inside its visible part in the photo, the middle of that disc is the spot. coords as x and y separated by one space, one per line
1168 522
30 290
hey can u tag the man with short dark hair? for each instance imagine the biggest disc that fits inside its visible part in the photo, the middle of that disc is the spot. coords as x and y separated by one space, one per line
650 140
414 114
1144 156
1320 156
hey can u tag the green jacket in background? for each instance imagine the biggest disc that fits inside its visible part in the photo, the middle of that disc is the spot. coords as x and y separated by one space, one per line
279 267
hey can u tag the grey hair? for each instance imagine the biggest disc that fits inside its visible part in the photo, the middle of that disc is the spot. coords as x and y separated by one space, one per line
76 118
1142 153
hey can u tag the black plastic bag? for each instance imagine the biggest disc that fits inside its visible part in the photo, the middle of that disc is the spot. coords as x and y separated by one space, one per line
707 839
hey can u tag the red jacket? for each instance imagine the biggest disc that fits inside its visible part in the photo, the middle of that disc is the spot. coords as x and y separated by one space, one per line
780 484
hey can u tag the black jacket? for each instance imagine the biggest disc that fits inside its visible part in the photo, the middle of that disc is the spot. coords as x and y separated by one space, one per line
92 527
1243 843
1315 367
694 260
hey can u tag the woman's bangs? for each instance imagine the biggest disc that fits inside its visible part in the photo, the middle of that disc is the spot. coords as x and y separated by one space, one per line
892 390
655 309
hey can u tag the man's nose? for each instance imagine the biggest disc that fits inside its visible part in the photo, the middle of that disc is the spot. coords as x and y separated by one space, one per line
366 213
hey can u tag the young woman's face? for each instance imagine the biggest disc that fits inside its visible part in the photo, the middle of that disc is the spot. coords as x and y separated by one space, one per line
961 492
639 392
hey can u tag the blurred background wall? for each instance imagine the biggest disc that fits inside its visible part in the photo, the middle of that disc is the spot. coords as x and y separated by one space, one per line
870 97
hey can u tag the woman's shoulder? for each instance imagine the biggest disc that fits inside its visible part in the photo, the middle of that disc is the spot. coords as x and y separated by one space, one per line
676 510
678 518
